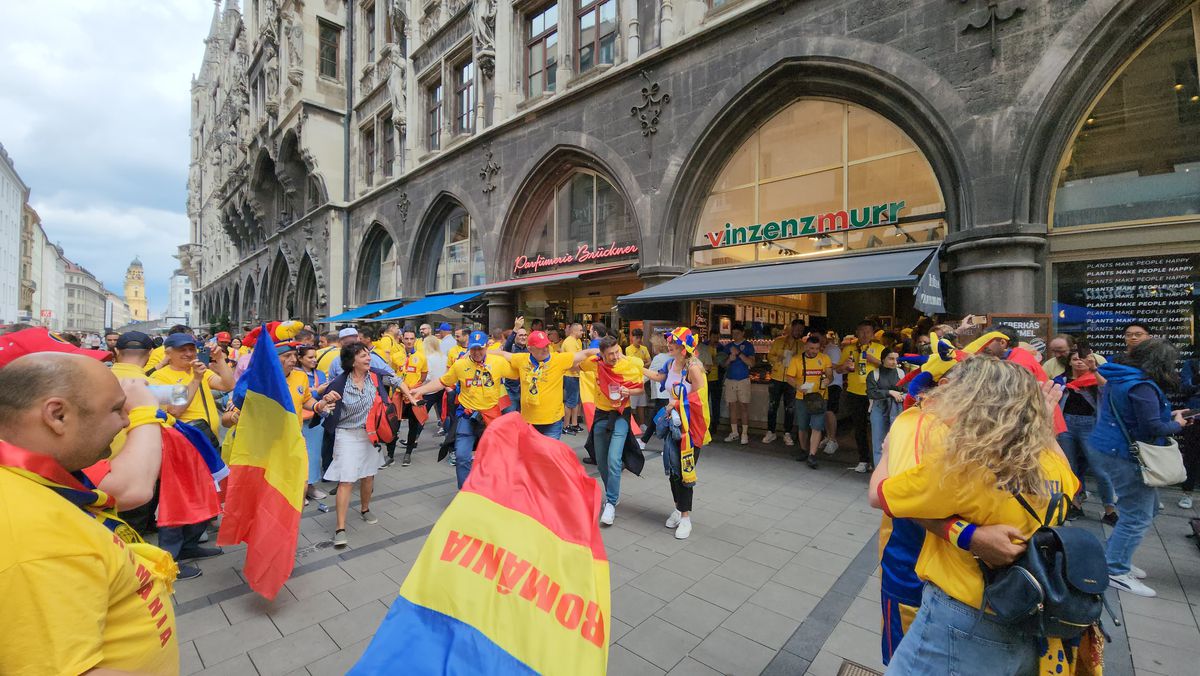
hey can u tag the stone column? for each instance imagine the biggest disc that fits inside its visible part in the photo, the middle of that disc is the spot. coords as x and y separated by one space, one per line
996 274
566 45
509 56
500 309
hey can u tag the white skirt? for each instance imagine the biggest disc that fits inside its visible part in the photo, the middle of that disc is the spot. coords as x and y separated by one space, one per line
354 457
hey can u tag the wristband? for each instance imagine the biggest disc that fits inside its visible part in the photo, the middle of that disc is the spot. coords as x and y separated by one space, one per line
144 415
960 533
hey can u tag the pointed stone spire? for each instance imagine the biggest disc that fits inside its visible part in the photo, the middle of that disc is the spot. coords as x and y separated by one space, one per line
214 29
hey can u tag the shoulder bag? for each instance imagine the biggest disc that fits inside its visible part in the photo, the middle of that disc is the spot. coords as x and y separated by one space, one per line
1161 465
814 402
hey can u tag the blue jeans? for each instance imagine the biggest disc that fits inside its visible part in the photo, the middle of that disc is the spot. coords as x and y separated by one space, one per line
513 387
312 441
950 637
464 449
570 391
610 447
883 412
1074 444
552 430
179 539
1136 503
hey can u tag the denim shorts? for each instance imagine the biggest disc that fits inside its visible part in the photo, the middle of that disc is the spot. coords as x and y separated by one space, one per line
809 421
570 391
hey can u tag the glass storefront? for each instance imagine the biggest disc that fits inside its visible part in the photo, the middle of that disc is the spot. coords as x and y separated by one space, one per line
1136 156
460 261
819 178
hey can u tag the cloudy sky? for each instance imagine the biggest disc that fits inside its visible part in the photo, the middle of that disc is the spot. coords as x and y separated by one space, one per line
94 108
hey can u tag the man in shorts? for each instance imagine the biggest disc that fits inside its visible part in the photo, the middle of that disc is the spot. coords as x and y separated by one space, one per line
810 373
739 358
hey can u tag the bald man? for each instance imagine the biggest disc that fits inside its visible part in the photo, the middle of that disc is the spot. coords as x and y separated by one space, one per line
100 595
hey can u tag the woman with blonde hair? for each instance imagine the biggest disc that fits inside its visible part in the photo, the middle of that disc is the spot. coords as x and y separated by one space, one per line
438 365
987 446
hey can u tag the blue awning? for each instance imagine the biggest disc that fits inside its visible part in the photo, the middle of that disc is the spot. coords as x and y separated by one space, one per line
364 311
874 270
427 305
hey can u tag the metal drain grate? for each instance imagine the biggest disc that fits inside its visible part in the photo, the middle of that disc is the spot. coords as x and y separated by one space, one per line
855 669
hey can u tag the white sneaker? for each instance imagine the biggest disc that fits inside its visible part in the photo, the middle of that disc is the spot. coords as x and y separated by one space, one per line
1137 572
745 438
1129 583
641 444
684 529
770 436
317 494
608 515
788 440
674 519
829 446
861 468
733 436
1185 502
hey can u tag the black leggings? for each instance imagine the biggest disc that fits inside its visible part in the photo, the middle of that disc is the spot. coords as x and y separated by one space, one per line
681 494
1189 443
414 431
860 417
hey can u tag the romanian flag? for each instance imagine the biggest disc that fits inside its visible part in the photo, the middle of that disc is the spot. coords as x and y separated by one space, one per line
694 428
268 471
514 578
628 372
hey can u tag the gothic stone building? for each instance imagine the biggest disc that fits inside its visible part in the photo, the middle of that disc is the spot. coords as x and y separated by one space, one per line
793 158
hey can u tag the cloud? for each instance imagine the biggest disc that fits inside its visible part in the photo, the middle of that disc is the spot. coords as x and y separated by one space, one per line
94 110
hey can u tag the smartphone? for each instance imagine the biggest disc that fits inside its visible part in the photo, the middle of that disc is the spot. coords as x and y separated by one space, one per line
204 355
979 320
1083 350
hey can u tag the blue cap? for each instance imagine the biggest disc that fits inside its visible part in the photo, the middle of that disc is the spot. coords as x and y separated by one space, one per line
477 339
444 327
180 339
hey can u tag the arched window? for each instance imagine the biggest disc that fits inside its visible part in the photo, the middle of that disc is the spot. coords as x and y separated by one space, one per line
819 177
585 209
377 267
460 253
1136 154
306 291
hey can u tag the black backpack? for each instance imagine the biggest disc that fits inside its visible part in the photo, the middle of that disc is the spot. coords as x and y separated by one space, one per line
1057 586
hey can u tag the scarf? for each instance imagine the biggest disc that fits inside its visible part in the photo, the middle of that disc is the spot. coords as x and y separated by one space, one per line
74 487
1083 381
692 428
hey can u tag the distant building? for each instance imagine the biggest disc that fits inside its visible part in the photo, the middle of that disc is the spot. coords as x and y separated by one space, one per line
135 291
43 276
13 196
116 311
179 304
86 300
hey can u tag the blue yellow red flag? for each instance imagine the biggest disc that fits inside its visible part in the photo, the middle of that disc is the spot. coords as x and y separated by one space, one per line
268 470
513 579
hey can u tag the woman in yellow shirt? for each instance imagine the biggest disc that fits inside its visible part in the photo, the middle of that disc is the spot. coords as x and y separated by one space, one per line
998 441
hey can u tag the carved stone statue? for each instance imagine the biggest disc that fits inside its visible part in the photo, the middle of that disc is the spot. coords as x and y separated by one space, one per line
272 75
483 20
294 33
398 15
397 82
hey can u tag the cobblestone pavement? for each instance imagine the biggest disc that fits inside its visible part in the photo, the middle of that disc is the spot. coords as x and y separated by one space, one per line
778 577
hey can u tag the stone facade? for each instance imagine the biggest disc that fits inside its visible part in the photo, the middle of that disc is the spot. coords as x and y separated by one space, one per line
992 93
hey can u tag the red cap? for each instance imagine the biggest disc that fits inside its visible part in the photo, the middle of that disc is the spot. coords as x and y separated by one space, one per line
30 341
538 339
224 337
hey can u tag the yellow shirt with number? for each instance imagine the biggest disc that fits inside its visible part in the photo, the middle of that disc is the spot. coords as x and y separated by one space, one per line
480 388
856 380
629 368
926 491
411 367
570 346
638 351
297 382
202 407
76 596
806 369
542 387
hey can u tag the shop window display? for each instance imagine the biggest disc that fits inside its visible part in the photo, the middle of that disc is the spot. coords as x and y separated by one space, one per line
819 178
460 263
1136 155
585 210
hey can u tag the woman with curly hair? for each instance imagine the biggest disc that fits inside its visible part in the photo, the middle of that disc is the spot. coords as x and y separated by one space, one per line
988 438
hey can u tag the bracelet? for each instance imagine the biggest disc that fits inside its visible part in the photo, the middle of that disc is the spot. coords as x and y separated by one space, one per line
960 533
144 415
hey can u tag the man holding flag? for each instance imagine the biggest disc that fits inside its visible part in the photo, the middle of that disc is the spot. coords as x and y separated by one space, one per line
617 378
481 398
268 473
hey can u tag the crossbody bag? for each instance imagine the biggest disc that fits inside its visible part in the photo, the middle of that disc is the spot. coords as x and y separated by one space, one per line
1160 465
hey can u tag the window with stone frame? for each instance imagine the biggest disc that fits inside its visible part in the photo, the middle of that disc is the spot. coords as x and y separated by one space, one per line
595 34
329 38
460 254
433 115
368 143
541 50
464 97
387 135
369 32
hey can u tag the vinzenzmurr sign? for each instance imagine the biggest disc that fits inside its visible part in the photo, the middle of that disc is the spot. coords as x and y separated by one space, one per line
807 226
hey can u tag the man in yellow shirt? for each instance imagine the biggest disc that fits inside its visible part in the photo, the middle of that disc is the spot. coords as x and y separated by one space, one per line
411 365
388 343
639 402
81 591
541 373
572 343
478 378
781 354
330 354
617 378
859 359
809 374
555 337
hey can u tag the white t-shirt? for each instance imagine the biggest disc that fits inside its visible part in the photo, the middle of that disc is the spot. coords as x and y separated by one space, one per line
834 352
436 363
656 389
448 343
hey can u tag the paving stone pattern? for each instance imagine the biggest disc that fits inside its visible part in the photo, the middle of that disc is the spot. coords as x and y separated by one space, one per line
778 577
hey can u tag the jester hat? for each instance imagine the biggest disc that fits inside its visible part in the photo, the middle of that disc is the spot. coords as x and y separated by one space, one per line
278 332
684 338
943 358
